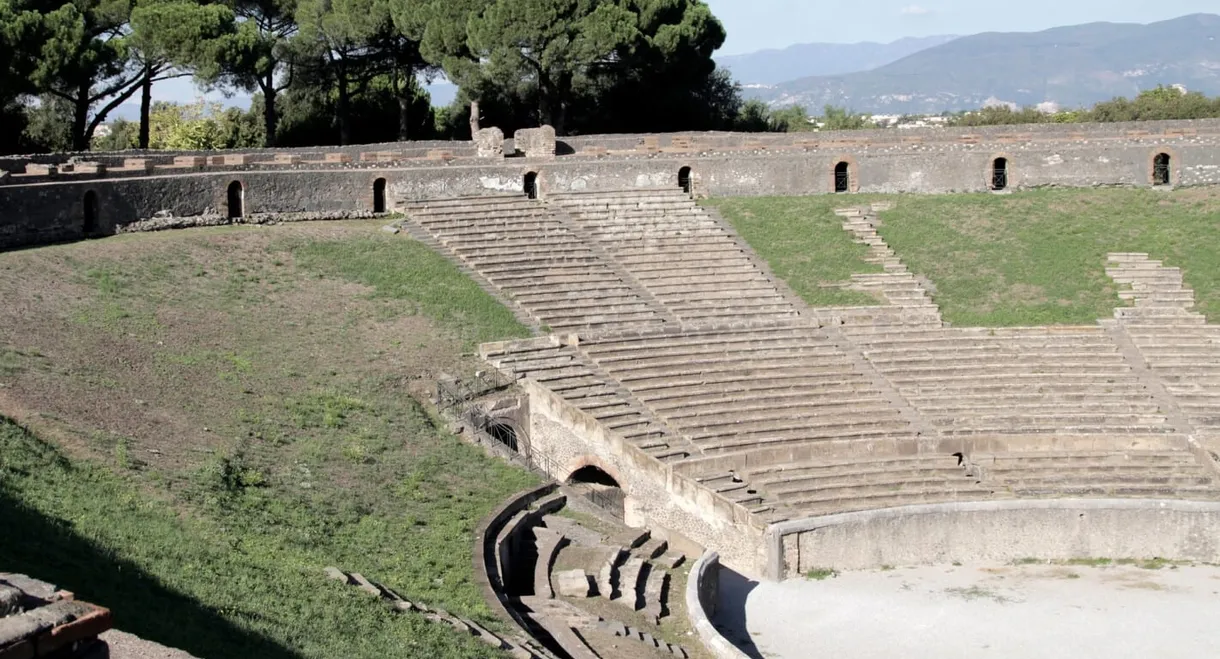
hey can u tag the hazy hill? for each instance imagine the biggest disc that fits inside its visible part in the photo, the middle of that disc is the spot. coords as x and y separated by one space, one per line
1072 66
767 67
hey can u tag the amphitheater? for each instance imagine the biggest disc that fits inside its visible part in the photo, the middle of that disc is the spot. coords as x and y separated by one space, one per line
675 376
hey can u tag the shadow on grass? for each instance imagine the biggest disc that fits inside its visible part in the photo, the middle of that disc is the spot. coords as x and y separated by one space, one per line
48 549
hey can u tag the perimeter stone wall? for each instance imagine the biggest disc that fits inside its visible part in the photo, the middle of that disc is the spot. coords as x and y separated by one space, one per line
38 206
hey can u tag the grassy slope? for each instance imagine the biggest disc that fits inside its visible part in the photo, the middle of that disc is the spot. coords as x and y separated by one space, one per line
1029 258
230 415
1039 257
804 243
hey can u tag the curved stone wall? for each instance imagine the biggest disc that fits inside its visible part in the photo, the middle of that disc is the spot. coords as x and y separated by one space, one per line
997 531
702 589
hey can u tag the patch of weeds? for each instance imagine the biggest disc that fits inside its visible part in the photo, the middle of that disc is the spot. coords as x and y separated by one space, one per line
976 593
323 409
1089 562
887 568
822 573
1027 561
229 474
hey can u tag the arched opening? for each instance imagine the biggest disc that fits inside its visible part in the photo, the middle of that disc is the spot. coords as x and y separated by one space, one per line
531 185
1160 169
684 180
598 487
842 177
999 174
379 196
505 434
236 197
90 213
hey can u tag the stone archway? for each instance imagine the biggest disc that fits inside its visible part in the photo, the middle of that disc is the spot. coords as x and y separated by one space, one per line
90 211
236 196
531 185
379 205
599 485
1162 169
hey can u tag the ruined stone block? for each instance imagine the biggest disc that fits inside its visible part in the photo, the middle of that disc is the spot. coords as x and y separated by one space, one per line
594 150
216 161
337 158
190 161
377 156
535 142
37 169
138 163
490 142
440 154
287 159
237 159
90 168
682 142
572 583
649 144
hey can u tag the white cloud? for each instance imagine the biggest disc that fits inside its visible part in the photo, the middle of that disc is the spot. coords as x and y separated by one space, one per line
914 10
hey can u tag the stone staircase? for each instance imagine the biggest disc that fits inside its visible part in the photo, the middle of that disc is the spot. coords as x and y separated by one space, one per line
687 260
908 301
1181 351
528 254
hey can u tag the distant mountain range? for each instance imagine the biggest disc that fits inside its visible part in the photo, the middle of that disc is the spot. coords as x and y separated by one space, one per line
768 67
1071 66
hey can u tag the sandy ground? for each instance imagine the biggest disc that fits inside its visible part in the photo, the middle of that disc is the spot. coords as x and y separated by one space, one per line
979 611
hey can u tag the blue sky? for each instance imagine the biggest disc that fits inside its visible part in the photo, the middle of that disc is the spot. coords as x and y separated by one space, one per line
759 24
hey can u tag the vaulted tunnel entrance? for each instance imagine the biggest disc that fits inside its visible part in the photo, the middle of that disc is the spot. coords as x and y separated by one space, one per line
842 177
531 185
236 197
999 174
90 212
600 488
1160 169
684 179
379 196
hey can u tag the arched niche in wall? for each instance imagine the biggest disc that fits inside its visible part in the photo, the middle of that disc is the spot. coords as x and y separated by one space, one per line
1162 169
89 211
844 175
235 197
685 181
999 173
530 185
379 205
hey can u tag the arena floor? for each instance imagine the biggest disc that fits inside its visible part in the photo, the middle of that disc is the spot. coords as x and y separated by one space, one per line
1009 611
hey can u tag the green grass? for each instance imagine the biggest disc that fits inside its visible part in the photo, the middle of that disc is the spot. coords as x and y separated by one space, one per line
821 573
224 415
241 575
803 242
1029 258
407 270
1039 257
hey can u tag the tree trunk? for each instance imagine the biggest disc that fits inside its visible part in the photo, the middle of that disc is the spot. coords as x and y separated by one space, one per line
474 118
343 109
269 112
80 120
146 106
406 95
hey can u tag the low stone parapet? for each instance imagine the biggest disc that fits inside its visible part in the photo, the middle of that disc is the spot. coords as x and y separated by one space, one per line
702 595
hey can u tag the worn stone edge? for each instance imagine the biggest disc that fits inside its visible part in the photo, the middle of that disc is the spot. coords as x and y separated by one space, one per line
712 639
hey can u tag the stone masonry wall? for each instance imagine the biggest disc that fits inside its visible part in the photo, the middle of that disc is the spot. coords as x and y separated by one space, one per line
38 208
656 497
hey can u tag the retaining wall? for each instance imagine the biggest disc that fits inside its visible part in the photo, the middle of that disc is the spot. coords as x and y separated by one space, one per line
997 531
